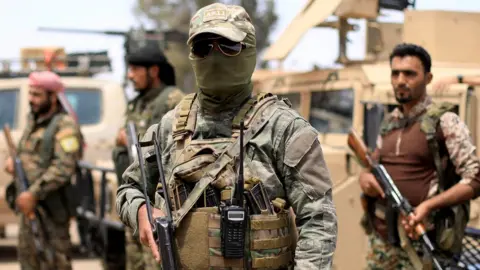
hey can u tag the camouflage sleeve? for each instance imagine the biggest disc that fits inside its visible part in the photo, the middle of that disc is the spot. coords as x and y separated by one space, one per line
461 149
67 151
130 194
309 191
173 98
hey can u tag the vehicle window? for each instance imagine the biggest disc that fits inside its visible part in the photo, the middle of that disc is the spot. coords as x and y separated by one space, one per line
332 111
8 107
294 98
87 104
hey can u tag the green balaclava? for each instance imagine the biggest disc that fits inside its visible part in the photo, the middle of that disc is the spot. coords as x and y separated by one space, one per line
224 82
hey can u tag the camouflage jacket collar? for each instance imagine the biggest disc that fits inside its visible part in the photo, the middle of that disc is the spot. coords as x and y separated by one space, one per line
41 120
147 97
397 119
416 111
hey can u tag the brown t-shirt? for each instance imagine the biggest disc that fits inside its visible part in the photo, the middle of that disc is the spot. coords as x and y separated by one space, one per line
405 154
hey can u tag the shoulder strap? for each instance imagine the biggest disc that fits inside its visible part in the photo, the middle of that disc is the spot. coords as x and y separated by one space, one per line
429 123
212 170
249 110
182 111
47 149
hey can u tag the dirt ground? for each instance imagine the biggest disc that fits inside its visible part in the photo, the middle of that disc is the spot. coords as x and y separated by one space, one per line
77 265
9 262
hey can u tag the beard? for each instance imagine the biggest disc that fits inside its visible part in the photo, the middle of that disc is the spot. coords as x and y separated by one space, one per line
403 95
147 86
41 109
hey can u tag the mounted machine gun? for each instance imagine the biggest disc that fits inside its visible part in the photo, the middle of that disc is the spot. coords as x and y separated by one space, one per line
133 40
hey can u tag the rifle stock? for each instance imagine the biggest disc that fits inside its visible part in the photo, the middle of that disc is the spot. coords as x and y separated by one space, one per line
390 189
360 149
44 251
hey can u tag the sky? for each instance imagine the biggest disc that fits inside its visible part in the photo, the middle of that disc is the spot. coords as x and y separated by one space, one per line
20 19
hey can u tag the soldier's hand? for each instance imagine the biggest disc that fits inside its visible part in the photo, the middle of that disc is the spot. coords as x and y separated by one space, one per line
145 229
26 203
370 185
420 214
121 138
9 166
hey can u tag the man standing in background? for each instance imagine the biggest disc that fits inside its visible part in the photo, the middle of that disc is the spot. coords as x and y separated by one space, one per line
154 81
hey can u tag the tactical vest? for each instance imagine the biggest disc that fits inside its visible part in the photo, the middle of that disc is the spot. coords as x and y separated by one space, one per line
205 170
450 222
63 201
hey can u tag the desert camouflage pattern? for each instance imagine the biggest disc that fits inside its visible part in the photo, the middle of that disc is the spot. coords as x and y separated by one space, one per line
229 21
286 155
60 242
458 141
145 110
383 256
67 150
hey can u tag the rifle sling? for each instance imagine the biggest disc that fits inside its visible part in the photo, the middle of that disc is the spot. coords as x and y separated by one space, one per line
225 158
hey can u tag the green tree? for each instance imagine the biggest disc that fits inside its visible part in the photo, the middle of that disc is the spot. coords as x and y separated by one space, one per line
167 14
176 14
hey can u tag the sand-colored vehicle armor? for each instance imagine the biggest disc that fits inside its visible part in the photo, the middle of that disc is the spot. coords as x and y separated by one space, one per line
359 94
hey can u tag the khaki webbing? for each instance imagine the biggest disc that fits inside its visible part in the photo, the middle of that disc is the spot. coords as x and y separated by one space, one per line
214 223
242 113
214 242
223 262
182 112
262 116
272 262
271 243
226 194
272 224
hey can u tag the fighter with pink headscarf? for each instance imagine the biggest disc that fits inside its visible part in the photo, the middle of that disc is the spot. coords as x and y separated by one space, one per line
49 149
51 82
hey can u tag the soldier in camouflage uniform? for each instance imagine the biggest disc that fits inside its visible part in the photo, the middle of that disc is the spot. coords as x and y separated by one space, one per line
49 149
282 152
154 80
428 152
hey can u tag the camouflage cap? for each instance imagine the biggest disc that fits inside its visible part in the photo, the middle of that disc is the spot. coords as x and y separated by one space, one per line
229 21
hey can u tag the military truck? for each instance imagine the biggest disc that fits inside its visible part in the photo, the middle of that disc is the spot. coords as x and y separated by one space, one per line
97 104
359 94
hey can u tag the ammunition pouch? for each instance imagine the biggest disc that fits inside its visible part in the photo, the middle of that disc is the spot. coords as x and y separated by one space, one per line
192 170
450 224
60 205
199 244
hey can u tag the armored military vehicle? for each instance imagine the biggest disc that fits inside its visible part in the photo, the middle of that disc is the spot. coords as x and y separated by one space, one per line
359 93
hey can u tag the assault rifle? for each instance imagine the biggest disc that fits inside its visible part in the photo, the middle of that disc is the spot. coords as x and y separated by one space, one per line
162 227
43 250
391 191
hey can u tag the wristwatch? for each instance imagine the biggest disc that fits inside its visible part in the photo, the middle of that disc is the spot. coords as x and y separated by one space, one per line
460 78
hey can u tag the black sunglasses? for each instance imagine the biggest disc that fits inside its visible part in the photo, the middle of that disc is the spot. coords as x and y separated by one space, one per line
204 47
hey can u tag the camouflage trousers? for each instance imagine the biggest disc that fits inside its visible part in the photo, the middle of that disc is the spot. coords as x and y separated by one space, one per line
383 256
59 236
139 257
